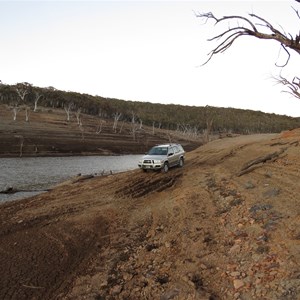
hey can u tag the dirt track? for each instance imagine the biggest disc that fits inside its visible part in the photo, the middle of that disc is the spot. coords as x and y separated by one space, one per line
205 231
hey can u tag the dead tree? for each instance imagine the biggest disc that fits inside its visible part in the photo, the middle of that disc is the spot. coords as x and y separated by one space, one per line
134 125
169 137
187 130
99 128
293 86
38 96
23 89
153 127
207 131
116 116
15 109
249 26
81 129
121 128
77 114
27 112
68 107
209 115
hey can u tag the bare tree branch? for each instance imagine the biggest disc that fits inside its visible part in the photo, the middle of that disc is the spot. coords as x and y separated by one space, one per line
250 28
287 60
293 85
296 11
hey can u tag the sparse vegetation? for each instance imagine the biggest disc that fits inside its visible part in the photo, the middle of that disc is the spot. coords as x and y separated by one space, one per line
188 120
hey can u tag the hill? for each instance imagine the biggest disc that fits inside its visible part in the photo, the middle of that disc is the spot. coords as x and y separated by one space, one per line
225 226
48 133
38 121
190 121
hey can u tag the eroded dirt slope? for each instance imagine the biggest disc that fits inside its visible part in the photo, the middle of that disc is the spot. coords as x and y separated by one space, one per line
48 133
226 226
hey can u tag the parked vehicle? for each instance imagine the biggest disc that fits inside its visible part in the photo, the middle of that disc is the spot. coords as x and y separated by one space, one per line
163 157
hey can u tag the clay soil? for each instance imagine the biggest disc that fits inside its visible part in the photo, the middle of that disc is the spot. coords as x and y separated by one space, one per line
225 226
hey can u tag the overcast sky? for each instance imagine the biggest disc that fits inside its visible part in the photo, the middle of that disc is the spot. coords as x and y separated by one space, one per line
146 51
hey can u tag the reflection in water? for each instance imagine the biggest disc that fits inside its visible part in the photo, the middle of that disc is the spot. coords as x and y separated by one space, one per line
40 173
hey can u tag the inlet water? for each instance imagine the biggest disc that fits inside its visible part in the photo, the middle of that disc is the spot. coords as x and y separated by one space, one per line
33 175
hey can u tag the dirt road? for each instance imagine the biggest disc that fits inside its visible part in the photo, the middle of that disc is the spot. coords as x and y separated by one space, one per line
225 226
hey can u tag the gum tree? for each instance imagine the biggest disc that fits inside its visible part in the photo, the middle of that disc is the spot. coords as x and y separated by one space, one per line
23 89
37 97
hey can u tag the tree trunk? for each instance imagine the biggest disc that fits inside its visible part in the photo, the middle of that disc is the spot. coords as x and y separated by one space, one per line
27 114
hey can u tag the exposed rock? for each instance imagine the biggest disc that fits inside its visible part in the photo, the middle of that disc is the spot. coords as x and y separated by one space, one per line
249 185
9 190
170 294
237 283
273 192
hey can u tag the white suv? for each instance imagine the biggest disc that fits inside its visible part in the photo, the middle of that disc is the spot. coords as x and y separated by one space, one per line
163 157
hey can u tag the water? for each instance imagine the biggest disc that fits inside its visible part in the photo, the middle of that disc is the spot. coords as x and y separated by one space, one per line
34 175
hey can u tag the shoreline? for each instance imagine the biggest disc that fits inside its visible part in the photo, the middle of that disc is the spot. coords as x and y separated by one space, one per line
12 193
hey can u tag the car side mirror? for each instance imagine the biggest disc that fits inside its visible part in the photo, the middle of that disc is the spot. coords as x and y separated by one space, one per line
170 154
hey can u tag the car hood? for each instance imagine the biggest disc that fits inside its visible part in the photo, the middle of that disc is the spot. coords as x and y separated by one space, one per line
155 157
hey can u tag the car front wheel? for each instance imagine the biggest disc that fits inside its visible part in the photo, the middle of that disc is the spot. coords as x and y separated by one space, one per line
181 162
165 168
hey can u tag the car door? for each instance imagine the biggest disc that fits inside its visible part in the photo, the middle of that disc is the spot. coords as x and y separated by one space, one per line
171 157
176 154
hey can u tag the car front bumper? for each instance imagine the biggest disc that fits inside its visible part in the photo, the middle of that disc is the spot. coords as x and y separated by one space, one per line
150 166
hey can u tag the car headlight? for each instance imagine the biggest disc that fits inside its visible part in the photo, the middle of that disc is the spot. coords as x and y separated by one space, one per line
157 161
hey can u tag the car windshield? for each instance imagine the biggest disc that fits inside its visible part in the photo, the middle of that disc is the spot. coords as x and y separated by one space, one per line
158 151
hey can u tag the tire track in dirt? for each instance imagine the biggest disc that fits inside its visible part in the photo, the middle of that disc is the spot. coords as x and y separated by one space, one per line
139 187
55 254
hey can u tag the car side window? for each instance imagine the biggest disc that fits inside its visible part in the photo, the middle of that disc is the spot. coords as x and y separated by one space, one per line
176 149
170 151
163 151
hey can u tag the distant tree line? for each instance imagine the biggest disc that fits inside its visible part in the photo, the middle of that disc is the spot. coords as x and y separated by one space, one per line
190 120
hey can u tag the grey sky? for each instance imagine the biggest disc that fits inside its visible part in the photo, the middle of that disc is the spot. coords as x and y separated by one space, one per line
145 51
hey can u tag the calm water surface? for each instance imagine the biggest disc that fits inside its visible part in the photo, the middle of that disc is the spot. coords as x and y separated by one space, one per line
37 174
